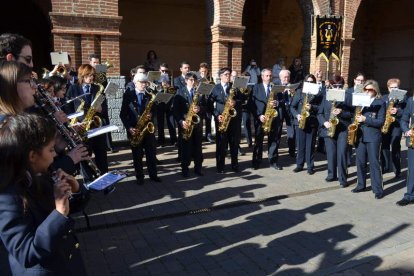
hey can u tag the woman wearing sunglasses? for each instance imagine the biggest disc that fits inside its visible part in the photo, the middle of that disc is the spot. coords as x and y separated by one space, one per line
369 139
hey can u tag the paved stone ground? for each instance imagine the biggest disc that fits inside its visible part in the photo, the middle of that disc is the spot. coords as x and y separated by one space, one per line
257 222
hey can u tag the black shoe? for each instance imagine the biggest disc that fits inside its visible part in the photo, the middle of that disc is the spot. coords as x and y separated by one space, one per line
241 153
255 166
199 173
358 190
343 185
276 167
155 178
185 173
331 179
397 176
140 181
250 145
292 154
404 202
311 172
379 196
220 171
297 169
235 169
158 162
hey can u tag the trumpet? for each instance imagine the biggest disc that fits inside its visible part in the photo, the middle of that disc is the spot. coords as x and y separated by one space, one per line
60 71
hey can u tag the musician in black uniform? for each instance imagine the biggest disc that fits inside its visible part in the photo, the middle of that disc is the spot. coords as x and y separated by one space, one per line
391 141
86 85
133 106
336 146
407 122
191 147
284 101
306 137
231 136
206 117
369 141
259 99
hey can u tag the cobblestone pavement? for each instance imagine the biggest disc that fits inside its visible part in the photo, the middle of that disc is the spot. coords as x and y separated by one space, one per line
256 222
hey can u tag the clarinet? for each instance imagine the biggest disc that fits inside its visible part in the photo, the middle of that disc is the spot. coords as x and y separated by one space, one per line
71 137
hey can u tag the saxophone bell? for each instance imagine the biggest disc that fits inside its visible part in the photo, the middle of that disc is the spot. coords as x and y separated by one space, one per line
195 119
232 112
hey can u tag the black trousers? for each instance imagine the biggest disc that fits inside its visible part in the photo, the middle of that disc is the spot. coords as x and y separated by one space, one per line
148 145
164 112
273 143
372 150
410 178
231 137
247 128
336 153
290 128
98 146
391 153
192 149
305 141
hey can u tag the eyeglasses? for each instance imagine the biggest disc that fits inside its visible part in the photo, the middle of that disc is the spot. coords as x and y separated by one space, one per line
164 71
31 82
369 89
28 59
361 80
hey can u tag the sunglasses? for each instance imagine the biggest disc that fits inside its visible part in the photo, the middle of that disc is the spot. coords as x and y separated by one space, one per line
28 59
369 89
164 71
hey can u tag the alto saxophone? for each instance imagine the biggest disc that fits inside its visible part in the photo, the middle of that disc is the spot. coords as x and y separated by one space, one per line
412 136
79 109
144 124
91 120
333 120
192 118
389 119
353 128
304 113
228 112
270 113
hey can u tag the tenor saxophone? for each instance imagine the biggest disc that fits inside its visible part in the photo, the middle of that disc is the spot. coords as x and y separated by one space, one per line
270 113
389 119
353 128
144 124
333 120
192 118
91 120
304 113
228 112
79 109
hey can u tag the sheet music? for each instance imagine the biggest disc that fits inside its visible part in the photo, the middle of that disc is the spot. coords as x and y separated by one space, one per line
241 82
106 180
337 95
397 94
59 58
292 86
278 88
76 115
101 130
111 89
361 99
153 76
310 88
204 88
101 68
163 97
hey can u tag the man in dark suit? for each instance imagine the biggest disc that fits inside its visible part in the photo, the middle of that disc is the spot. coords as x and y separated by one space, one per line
134 104
391 140
336 146
219 97
179 82
259 101
284 101
407 128
190 144
369 141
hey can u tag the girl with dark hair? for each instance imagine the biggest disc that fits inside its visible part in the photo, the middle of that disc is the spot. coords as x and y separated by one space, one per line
34 207
152 63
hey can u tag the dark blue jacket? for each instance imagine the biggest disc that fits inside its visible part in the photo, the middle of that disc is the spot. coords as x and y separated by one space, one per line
182 103
218 96
407 117
258 101
297 103
370 130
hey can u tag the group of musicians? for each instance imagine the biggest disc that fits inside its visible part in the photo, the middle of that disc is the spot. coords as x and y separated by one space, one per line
380 150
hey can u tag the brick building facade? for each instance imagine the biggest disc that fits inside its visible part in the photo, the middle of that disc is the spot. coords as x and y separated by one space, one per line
221 32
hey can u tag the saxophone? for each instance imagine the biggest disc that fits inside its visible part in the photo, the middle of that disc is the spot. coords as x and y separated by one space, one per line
191 119
144 124
79 109
333 120
389 119
412 136
353 128
91 120
270 113
228 112
304 113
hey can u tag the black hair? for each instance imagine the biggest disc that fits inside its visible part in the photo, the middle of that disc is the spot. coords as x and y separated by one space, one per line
153 52
91 56
12 44
190 75
224 69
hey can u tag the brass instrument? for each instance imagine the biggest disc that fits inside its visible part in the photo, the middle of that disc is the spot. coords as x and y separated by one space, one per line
389 118
228 112
101 77
304 113
60 71
412 136
79 109
270 113
353 128
192 118
144 124
333 120
91 120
